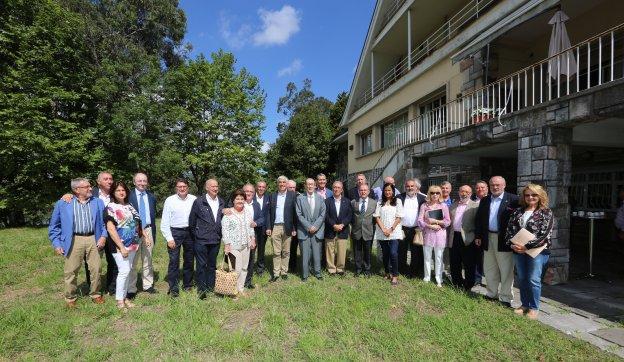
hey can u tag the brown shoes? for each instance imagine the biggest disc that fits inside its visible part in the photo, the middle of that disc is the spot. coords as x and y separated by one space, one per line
532 314
98 300
71 304
520 311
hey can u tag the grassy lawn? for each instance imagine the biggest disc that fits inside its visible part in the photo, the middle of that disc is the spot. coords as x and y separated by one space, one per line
333 319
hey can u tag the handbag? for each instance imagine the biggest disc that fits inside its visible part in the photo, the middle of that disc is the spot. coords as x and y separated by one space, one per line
418 237
225 283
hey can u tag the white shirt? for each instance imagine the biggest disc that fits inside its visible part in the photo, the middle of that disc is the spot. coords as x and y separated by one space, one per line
175 214
359 205
410 211
105 198
494 206
148 218
388 215
279 208
214 205
337 203
526 216
260 201
311 201
249 206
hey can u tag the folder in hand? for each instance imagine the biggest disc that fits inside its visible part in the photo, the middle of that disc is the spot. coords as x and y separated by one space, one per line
522 237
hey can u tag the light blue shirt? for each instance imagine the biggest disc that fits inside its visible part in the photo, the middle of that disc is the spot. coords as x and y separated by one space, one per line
83 222
494 206
279 208
148 218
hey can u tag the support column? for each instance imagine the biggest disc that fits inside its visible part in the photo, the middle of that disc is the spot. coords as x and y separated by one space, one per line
372 75
409 39
545 158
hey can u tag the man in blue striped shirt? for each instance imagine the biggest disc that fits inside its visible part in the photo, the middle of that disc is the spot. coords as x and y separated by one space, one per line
77 231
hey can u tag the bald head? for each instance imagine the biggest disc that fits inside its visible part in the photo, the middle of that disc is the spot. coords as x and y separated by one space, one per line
389 180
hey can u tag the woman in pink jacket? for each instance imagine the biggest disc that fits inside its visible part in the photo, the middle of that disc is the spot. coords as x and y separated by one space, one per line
433 219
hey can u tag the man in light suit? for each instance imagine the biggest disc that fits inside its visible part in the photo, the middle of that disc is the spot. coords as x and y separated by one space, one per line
205 227
144 202
363 229
310 210
337 219
77 231
282 227
461 239
490 227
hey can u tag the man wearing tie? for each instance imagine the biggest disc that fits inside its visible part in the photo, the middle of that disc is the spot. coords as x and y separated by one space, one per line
460 235
337 220
362 230
264 202
310 210
205 226
490 227
411 206
144 202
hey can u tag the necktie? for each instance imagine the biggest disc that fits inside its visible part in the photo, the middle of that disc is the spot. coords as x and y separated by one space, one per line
142 209
363 207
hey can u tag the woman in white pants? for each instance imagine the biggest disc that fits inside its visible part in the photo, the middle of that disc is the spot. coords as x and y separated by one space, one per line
433 219
238 237
124 229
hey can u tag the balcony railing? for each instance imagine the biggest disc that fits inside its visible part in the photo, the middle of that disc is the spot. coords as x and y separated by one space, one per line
389 13
436 40
595 61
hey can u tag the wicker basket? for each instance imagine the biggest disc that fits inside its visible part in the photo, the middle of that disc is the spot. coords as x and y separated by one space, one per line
225 283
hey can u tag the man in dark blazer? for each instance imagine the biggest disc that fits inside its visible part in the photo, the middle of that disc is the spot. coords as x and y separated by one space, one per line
338 216
205 227
264 201
490 226
258 225
282 227
354 193
144 203
412 200
362 230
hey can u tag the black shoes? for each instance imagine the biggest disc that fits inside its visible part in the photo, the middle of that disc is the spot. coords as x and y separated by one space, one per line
273 279
250 286
319 277
151 290
131 296
174 294
285 276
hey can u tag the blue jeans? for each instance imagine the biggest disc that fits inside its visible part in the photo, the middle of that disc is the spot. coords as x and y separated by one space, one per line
529 278
390 250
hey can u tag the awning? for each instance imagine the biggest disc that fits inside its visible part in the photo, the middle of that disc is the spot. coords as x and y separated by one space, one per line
526 12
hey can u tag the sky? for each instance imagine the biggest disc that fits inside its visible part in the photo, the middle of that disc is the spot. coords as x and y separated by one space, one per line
284 41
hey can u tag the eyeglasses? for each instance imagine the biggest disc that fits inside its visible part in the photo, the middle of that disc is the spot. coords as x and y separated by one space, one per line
434 193
84 187
531 195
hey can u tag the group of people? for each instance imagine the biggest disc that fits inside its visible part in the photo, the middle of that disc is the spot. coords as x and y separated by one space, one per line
477 231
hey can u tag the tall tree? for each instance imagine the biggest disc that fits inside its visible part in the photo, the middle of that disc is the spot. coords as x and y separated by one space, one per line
214 114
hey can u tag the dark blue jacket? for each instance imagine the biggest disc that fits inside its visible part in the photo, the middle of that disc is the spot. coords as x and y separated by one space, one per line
331 219
290 215
151 199
204 229
266 212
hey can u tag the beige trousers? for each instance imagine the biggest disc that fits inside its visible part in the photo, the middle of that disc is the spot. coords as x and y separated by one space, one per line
281 250
498 267
240 266
82 245
335 255
144 255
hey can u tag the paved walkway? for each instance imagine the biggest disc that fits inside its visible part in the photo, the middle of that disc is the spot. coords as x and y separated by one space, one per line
589 309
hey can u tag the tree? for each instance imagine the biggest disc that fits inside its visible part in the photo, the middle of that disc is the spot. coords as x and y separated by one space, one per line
302 147
214 115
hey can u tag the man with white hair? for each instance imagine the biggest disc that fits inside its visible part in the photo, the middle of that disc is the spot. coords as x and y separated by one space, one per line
412 200
294 241
310 209
490 227
144 202
282 227
386 180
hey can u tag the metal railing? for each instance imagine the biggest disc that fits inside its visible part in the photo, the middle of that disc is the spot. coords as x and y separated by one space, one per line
389 13
590 63
437 39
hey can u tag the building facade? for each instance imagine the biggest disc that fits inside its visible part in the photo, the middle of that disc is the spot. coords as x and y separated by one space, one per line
463 90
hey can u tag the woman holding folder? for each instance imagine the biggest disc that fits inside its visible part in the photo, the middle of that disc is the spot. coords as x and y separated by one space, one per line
528 235
433 219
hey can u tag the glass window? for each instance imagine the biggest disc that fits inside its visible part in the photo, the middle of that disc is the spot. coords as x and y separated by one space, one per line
366 143
394 132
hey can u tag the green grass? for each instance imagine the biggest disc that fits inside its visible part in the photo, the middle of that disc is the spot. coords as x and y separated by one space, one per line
333 319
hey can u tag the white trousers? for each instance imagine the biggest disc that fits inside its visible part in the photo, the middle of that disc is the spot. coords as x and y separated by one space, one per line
242 261
144 254
124 265
498 267
438 252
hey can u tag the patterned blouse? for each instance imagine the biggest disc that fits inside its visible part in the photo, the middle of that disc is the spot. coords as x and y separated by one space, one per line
236 229
126 219
540 224
388 214
434 238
